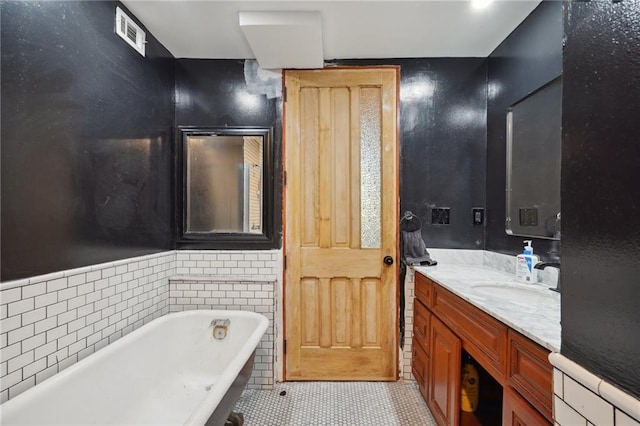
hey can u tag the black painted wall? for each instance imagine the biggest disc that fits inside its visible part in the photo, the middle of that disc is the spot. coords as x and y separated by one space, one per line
86 139
442 144
213 92
600 190
530 57
442 131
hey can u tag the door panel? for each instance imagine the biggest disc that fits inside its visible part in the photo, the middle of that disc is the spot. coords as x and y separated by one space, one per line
341 221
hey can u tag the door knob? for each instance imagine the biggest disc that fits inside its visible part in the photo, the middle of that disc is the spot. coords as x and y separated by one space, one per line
388 260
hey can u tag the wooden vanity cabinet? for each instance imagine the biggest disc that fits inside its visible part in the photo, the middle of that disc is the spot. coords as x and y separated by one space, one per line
420 347
517 412
443 387
419 367
485 338
444 325
423 289
530 373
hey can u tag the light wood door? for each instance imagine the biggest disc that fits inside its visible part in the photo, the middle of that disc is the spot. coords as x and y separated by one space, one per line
444 374
341 222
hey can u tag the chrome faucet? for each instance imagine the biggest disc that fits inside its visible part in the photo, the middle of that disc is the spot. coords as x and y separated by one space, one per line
542 265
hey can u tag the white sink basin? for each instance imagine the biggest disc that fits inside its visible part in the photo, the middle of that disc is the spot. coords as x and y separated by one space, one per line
514 292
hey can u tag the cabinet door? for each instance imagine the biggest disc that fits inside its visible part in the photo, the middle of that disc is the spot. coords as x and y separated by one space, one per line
443 380
421 324
517 412
530 373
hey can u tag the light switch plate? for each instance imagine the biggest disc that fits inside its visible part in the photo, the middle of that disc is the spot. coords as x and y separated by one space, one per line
478 215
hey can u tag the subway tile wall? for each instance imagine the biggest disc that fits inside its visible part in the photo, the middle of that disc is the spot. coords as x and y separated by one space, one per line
409 295
251 296
581 398
244 280
257 265
50 322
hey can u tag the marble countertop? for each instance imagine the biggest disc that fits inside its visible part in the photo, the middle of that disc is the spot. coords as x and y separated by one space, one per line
531 309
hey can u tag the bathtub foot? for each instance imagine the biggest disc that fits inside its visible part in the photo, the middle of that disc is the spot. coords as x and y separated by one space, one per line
235 419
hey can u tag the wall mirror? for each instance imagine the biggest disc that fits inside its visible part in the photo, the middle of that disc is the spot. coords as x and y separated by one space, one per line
534 135
226 190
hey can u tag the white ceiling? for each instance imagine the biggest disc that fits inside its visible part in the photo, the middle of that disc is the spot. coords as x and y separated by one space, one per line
350 29
300 32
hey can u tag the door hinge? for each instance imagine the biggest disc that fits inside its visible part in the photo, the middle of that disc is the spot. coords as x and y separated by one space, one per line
284 346
284 94
284 179
284 262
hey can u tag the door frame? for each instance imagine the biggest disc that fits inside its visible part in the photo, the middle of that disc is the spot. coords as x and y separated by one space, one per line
281 337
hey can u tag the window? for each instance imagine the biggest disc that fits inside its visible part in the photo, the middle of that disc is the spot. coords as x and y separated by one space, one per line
225 195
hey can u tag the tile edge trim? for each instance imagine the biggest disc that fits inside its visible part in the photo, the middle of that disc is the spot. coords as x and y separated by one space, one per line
610 393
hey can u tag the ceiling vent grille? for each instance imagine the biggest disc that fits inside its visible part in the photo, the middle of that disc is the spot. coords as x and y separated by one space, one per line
129 31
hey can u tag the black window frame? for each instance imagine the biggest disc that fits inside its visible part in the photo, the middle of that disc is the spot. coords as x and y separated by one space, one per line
226 240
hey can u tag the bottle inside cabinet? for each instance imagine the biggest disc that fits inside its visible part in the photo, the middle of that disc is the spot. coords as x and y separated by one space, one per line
486 405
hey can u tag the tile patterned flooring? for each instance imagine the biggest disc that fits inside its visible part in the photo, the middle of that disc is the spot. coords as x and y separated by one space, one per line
335 404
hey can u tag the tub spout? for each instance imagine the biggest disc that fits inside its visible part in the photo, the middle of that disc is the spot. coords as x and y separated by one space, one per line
220 328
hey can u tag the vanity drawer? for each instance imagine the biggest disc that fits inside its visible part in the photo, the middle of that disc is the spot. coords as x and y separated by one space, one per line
421 324
530 372
419 363
423 289
484 337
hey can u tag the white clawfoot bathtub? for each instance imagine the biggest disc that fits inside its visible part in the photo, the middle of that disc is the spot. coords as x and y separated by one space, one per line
171 371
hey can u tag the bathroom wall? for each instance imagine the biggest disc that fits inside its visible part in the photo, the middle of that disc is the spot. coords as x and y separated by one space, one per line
442 143
442 131
600 191
215 93
530 57
50 322
86 134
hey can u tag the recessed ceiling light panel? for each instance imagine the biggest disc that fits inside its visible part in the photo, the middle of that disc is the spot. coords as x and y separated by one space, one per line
284 39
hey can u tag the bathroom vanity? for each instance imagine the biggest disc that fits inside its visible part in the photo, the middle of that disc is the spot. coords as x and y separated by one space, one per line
473 314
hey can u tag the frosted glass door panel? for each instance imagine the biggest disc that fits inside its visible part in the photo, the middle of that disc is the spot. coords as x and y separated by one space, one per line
370 166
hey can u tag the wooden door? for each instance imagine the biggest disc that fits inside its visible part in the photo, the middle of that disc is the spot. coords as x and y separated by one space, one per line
340 223
444 374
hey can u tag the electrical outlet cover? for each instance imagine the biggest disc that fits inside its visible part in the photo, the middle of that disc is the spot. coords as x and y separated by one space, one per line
440 215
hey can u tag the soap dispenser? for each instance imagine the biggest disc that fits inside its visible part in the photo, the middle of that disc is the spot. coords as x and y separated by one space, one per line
525 263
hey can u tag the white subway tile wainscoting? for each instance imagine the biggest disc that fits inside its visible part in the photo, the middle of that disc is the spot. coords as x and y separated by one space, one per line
50 322
406 352
246 280
241 265
581 398
251 296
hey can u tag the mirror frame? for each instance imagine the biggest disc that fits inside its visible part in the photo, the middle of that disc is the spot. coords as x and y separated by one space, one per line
226 240
509 162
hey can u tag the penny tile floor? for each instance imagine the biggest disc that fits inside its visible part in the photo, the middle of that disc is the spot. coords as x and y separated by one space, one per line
335 404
